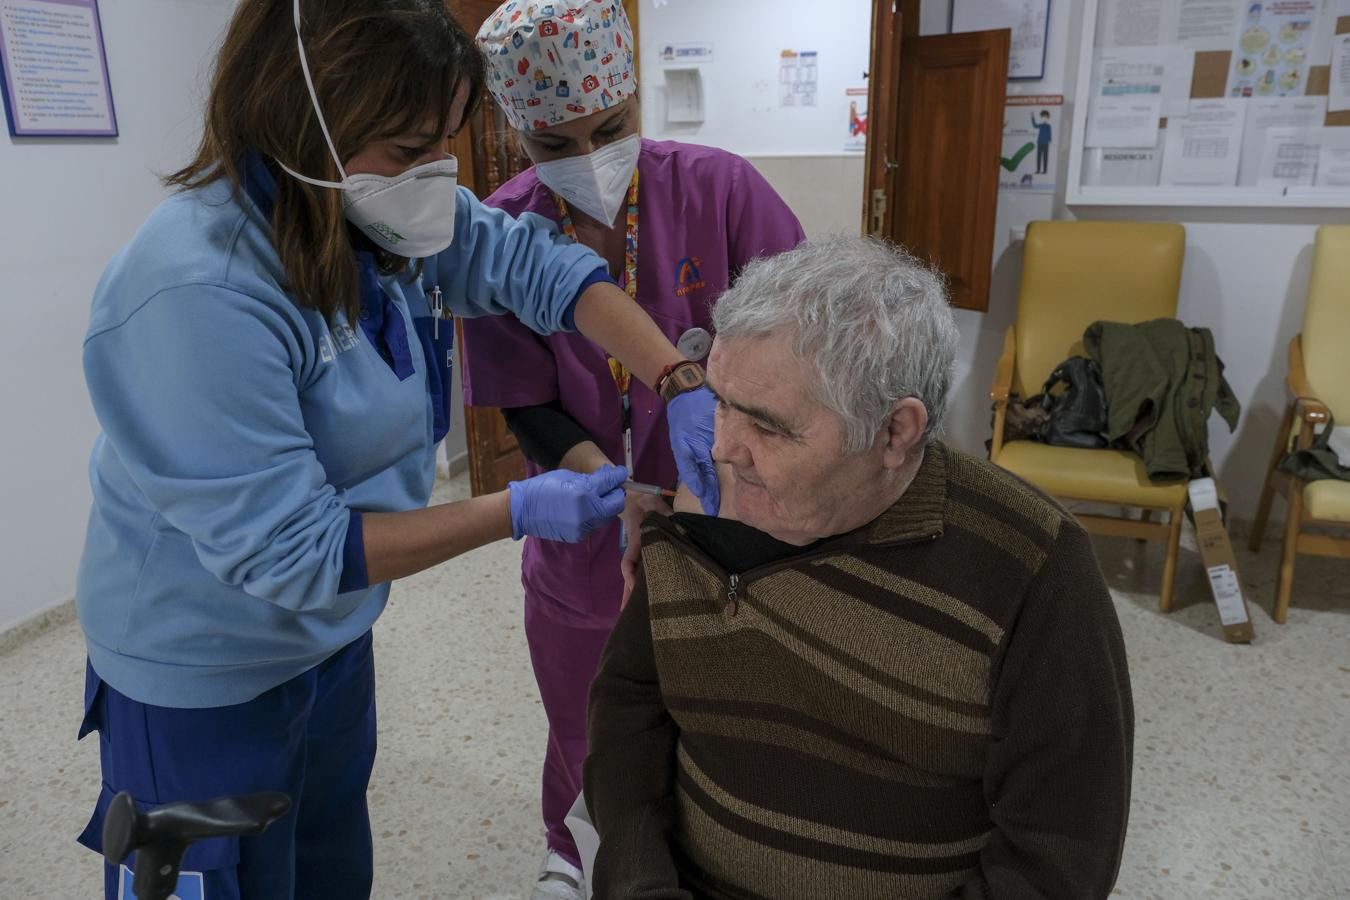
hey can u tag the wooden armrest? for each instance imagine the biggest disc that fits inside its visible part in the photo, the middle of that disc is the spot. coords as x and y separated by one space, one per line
1306 404
1003 375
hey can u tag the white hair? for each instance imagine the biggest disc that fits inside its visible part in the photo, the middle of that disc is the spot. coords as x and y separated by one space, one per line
868 319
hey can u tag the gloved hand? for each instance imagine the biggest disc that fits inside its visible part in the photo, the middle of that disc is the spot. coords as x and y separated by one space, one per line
566 506
691 437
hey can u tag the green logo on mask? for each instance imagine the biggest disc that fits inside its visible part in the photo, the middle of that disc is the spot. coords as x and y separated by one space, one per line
387 233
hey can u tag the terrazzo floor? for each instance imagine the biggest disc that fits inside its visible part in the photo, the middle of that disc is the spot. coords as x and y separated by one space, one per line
1242 753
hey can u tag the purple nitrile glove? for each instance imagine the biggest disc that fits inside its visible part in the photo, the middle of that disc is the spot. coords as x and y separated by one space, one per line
566 506
691 437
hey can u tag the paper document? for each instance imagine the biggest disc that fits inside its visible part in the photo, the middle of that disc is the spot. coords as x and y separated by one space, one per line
1290 157
1333 160
1203 148
1196 24
1271 54
1135 23
1264 113
1165 70
1319 52
1123 121
1339 101
1123 167
1208 24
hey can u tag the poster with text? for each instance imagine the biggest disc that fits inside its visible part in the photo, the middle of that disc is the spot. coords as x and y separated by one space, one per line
1031 134
798 78
1274 42
856 140
53 71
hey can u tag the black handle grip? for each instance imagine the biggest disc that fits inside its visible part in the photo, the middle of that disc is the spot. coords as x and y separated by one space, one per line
161 836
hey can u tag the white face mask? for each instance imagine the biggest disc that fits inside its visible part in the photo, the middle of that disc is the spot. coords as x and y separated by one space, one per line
410 215
597 184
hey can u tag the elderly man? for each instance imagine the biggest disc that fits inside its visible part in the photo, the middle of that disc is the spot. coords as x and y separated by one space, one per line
899 674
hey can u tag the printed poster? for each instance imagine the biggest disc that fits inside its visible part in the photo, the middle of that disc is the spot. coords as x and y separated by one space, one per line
53 69
1274 43
856 140
798 78
1031 134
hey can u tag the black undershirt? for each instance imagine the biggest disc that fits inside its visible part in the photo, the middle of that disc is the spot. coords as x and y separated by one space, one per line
734 545
545 432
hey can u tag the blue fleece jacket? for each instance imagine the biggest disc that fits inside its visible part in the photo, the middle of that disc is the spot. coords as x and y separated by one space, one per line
243 436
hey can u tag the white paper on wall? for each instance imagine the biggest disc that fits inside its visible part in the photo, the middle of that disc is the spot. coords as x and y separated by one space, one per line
1203 148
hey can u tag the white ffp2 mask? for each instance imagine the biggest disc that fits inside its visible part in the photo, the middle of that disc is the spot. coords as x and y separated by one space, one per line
597 184
411 214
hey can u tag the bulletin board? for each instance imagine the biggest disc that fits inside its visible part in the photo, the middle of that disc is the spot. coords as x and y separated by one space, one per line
1277 161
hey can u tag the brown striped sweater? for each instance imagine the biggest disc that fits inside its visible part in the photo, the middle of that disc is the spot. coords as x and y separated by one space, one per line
935 705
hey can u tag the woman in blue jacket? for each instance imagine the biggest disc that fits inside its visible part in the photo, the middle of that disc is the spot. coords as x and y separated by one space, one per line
268 361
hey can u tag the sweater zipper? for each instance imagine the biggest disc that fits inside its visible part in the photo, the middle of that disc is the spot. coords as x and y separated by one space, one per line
735 580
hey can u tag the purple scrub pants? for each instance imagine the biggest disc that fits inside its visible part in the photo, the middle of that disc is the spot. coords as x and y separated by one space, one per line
565 660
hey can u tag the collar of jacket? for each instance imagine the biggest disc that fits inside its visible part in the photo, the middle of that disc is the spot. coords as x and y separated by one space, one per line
917 515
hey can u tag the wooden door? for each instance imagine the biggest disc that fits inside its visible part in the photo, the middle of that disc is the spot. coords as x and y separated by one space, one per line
933 174
488 158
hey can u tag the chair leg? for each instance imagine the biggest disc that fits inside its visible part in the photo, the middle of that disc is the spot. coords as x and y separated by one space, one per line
1268 490
1145 516
1285 588
1170 567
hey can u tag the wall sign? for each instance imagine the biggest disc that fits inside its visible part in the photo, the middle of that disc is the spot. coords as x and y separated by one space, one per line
53 69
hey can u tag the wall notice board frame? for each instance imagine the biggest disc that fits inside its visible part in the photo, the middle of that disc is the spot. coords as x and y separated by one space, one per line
1209 81
1028 20
54 69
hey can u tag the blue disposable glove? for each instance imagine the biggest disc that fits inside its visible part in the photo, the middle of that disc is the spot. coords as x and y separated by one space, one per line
691 436
566 506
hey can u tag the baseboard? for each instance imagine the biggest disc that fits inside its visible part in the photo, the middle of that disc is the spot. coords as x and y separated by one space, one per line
44 620
456 465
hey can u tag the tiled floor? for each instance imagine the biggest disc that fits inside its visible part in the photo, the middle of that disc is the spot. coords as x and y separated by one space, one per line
1242 777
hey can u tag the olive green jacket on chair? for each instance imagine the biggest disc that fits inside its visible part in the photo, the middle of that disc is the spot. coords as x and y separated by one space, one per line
1162 382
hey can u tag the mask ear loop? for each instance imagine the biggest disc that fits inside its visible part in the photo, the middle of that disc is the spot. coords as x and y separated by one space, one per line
318 112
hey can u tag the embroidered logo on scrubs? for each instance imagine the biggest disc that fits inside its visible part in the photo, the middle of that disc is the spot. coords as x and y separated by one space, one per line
190 886
345 338
688 276
340 336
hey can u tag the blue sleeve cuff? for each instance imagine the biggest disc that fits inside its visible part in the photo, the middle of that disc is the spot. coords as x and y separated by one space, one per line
354 576
570 314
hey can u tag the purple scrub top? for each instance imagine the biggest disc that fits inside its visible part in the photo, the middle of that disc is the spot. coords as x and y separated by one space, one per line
703 214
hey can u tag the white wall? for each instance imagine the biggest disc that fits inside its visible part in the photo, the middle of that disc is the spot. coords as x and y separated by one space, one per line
77 201
741 83
1245 277
799 150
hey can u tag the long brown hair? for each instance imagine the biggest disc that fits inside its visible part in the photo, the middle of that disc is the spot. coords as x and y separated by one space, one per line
381 68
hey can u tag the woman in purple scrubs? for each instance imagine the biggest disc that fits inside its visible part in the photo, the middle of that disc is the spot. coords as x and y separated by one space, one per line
676 223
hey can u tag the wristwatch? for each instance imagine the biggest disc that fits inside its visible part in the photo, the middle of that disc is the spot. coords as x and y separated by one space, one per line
679 378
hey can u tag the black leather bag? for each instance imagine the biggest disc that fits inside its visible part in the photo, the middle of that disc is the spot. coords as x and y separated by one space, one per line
1078 413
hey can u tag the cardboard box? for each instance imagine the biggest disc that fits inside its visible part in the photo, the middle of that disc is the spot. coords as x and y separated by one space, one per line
1217 552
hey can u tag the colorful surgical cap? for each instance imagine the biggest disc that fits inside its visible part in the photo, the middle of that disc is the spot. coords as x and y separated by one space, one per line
549 63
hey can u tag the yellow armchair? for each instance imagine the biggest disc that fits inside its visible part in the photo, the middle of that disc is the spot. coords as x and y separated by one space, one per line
1319 385
1074 274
